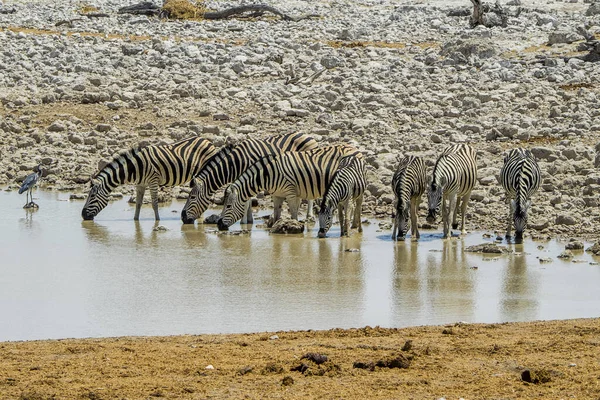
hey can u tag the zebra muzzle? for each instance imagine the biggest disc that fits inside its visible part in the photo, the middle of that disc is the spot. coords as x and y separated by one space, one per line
222 225
321 233
185 219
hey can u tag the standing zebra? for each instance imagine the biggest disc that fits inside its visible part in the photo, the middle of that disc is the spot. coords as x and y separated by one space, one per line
229 163
409 184
520 177
152 166
348 183
293 176
454 176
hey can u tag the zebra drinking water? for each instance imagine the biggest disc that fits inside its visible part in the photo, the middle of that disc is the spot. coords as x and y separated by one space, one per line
454 176
229 163
348 183
293 176
520 177
409 184
152 166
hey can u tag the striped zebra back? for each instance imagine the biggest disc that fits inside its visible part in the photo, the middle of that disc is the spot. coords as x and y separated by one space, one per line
312 171
171 165
308 172
456 169
231 161
520 175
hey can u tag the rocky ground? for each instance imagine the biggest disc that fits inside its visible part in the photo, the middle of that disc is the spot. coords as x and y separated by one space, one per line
534 360
392 77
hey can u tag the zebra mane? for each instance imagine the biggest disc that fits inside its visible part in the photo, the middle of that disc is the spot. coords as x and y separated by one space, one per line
115 161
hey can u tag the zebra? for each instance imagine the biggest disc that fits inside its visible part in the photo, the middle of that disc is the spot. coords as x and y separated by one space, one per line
454 176
348 183
520 177
293 176
409 184
152 166
229 163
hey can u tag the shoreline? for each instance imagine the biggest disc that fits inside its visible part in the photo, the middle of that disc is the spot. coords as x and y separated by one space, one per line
473 361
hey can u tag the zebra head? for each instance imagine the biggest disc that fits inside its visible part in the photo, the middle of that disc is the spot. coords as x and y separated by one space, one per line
325 217
402 218
196 203
234 208
520 217
96 201
434 197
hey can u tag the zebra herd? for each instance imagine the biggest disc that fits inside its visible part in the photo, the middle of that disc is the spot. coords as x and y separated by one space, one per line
293 167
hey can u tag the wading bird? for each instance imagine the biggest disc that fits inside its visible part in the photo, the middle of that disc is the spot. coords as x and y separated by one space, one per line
28 184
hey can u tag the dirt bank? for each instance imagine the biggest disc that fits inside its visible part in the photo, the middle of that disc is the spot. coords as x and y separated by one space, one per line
478 361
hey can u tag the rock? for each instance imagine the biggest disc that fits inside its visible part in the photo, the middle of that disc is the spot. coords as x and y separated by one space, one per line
563 37
593 9
536 376
57 126
212 219
491 248
565 220
594 249
287 381
567 254
315 357
287 226
545 260
574 245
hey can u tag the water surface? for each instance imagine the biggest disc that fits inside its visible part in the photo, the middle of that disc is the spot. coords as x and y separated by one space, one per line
62 277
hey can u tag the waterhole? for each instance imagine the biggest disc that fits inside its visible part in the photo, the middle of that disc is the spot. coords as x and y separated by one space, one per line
62 277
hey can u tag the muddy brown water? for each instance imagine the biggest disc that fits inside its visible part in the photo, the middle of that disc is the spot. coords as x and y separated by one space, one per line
62 277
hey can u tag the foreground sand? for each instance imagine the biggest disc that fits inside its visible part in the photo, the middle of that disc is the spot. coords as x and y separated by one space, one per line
478 361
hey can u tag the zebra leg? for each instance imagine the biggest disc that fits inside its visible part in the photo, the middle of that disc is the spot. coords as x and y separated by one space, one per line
511 212
309 212
463 211
139 199
448 206
248 218
277 204
154 197
414 227
343 217
455 215
356 222
294 204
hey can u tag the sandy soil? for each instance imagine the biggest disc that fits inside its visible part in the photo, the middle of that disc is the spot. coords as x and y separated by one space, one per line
474 361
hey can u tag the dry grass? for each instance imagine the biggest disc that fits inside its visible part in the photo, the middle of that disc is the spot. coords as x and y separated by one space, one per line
479 361
184 9
87 9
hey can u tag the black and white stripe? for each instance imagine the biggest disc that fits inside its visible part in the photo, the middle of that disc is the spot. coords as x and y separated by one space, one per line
520 177
229 163
348 183
409 184
152 166
454 176
293 176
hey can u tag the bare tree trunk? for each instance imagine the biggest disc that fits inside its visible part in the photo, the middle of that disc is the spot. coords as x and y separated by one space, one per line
477 17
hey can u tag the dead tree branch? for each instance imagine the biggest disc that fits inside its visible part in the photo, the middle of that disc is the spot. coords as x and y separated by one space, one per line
258 9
